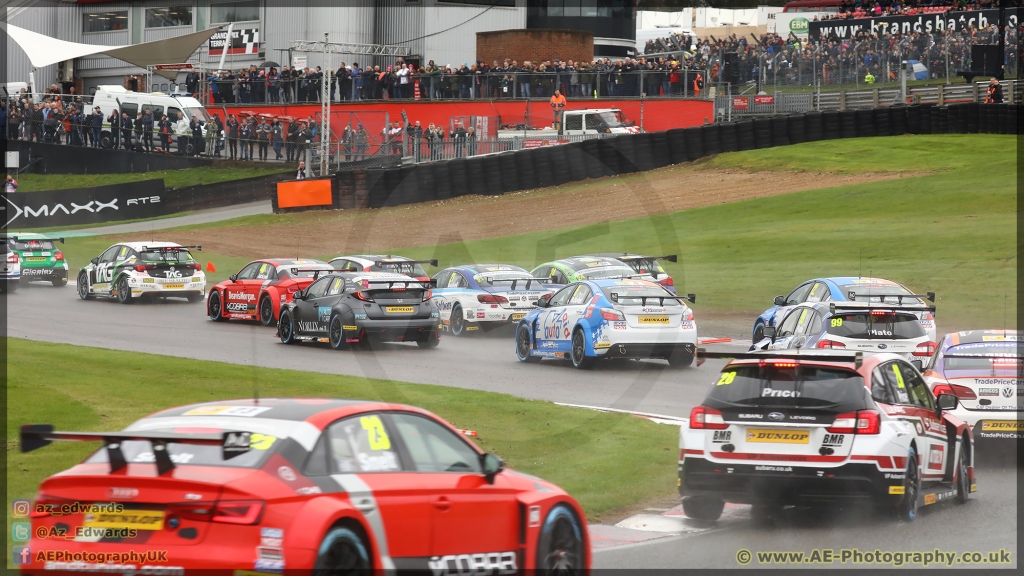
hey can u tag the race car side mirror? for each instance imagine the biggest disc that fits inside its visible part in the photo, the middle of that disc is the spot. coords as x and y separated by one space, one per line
780 300
299 295
233 277
543 301
946 402
769 332
491 465
95 260
917 364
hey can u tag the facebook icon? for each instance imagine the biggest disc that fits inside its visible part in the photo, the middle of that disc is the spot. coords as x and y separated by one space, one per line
22 555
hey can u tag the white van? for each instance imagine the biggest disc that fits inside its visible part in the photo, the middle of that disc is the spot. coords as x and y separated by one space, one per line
110 98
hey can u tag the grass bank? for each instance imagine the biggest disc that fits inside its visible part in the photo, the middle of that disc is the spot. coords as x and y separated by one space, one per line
172 178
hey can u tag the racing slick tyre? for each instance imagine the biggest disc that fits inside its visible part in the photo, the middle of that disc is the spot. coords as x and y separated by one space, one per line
341 552
560 545
906 510
336 335
963 483
194 298
758 332
83 286
523 345
703 508
59 282
680 360
124 292
429 341
266 311
10 287
457 324
578 352
215 308
285 329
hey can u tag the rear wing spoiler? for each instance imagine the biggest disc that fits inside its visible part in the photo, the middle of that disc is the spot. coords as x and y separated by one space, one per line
528 279
432 283
232 443
198 247
857 358
668 258
691 298
930 296
294 271
15 238
383 262
833 307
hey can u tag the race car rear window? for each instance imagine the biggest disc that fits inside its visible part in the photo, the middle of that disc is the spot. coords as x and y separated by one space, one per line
879 294
985 356
785 385
874 326
499 278
182 255
645 265
33 245
607 272
633 295
140 452
305 272
400 268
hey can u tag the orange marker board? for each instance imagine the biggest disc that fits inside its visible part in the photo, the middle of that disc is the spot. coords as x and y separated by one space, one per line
303 193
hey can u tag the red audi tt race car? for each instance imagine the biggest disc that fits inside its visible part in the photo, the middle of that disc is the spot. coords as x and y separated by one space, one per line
259 289
296 486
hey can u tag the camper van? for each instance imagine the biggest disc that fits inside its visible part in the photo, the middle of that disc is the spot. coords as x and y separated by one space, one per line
110 98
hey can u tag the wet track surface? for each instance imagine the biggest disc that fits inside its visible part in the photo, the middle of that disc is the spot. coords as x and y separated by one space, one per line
986 523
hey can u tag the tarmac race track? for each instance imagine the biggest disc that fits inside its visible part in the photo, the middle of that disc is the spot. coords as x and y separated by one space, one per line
986 523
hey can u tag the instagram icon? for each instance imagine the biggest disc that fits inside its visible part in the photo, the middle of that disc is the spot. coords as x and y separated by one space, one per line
21 508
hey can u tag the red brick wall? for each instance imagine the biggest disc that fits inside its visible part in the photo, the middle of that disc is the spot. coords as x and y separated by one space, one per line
534 45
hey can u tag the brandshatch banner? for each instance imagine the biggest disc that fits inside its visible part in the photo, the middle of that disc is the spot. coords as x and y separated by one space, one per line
84 205
954 21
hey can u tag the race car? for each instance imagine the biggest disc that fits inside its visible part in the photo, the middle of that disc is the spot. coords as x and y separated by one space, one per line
12 271
260 288
855 326
983 369
646 265
383 263
568 270
347 308
485 296
131 270
595 319
853 289
822 428
40 259
296 486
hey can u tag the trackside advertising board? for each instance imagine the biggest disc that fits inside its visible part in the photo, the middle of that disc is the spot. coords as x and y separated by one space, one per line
953 21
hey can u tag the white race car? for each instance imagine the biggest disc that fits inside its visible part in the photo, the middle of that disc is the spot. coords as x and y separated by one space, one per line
382 263
983 369
131 270
822 427
485 296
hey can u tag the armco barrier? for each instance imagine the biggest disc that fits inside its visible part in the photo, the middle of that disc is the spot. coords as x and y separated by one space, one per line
59 159
624 153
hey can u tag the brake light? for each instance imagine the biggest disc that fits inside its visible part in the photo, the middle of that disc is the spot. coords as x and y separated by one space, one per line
689 315
58 255
238 511
764 363
927 316
612 314
704 418
925 349
667 281
423 279
859 422
427 295
141 268
962 392
491 299
830 344
363 296
881 313
12 258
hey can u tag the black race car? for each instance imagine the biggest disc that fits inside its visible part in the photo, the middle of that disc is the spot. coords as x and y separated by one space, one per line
346 308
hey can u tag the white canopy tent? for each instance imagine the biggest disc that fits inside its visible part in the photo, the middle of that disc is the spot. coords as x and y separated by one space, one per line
44 51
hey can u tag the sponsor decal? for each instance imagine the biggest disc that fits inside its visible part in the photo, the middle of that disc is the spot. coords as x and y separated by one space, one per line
265 565
137 519
751 416
833 440
286 474
897 490
929 499
998 382
892 476
480 564
270 552
797 417
407 310
305 326
1002 425
652 319
935 457
773 393
472 328
237 307
1007 392
323 313
247 411
1007 337
988 392
776 416
722 436
534 518
773 468
350 328
779 436
620 326
244 296
686 325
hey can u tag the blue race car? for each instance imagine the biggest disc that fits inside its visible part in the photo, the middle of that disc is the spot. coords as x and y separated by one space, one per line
485 296
609 318
848 289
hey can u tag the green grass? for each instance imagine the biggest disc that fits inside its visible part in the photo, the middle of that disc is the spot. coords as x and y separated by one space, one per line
172 178
605 461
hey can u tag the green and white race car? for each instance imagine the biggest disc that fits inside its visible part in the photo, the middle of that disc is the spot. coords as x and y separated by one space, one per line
41 261
132 270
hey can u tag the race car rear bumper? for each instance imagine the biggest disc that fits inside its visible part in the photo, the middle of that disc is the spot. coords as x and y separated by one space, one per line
43 274
786 483
647 350
406 329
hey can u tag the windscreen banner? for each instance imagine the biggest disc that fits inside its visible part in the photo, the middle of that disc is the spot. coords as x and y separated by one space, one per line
845 29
